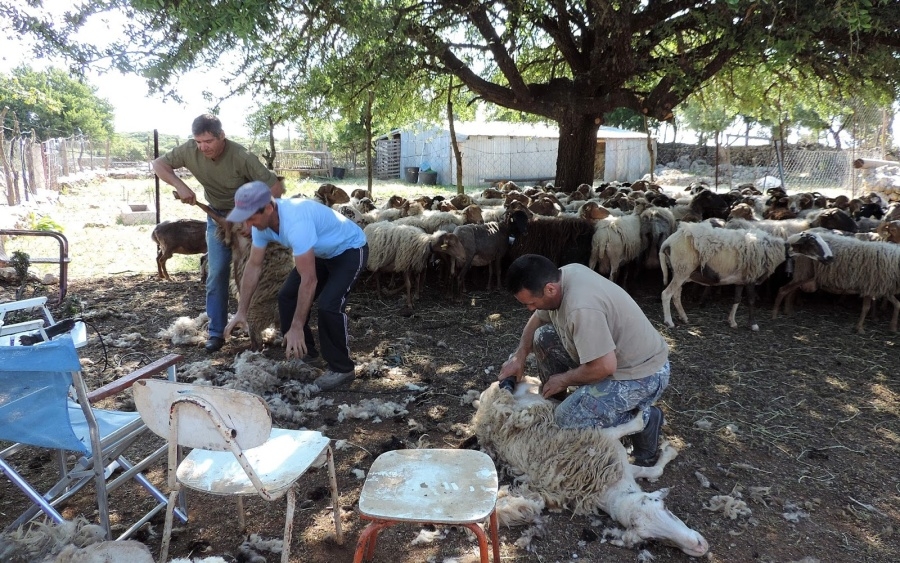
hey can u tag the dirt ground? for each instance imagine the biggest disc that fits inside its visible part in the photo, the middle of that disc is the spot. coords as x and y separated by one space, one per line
801 420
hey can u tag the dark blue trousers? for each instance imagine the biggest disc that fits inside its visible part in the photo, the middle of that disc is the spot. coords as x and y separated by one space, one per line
336 277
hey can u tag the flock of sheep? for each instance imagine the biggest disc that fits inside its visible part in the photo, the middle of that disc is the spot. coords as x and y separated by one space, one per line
839 245
740 238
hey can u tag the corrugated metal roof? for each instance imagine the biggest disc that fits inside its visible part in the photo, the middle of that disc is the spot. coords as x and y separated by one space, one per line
540 130
506 129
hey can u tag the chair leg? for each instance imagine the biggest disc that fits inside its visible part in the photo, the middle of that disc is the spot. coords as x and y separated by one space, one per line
495 536
288 525
365 547
240 510
167 531
335 500
482 541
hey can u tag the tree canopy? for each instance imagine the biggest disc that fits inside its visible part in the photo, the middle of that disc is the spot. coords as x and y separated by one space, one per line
571 62
53 104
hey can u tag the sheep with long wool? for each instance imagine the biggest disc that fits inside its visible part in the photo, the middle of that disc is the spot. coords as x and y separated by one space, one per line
781 228
403 249
865 268
704 254
583 469
616 242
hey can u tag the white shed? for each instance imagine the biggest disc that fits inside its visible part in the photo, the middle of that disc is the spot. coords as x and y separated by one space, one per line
502 150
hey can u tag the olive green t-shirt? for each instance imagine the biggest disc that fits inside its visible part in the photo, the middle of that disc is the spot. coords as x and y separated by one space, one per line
596 316
221 177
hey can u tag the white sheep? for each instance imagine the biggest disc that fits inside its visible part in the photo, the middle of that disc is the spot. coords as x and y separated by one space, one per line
868 269
616 242
584 469
781 228
403 249
703 254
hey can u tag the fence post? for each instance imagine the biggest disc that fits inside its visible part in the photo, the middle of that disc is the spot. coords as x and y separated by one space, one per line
64 157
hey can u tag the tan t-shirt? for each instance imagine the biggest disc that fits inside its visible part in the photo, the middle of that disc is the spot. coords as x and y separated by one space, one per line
221 177
597 316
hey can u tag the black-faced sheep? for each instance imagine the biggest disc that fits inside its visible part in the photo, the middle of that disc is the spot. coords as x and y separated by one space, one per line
706 255
584 469
185 236
868 269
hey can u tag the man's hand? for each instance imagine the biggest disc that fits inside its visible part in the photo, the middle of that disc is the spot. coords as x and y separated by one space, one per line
512 367
237 320
294 343
186 195
555 384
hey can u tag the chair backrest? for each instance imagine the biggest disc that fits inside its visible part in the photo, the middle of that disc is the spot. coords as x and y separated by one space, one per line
34 387
246 414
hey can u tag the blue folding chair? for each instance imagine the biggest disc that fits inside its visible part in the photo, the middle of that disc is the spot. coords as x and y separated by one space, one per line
38 408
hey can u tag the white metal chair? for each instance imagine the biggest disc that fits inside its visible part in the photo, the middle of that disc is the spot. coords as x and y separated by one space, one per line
36 410
429 486
236 449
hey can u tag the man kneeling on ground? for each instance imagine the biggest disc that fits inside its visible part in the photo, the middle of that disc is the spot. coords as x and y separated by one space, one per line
587 332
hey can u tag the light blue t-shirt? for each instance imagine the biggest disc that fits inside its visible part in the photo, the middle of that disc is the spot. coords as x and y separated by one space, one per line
305 224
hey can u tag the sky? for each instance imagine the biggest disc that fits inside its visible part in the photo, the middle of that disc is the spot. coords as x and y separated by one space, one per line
135 109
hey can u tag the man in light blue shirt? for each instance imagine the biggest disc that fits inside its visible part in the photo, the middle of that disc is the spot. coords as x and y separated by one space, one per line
330 252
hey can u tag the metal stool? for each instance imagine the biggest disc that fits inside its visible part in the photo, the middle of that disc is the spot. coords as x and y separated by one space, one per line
429 486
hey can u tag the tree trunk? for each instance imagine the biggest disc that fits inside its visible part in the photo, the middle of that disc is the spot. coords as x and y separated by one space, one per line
369 143
460 189
577 151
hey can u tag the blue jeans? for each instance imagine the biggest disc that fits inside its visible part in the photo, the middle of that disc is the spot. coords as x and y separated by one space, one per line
217 282
604 404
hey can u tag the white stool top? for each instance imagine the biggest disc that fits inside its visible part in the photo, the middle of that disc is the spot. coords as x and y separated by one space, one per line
430 485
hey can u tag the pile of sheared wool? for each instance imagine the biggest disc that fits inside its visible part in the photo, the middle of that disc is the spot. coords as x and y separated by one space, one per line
282 384
185 330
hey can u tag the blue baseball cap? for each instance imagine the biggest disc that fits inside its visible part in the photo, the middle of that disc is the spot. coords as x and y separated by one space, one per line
249 199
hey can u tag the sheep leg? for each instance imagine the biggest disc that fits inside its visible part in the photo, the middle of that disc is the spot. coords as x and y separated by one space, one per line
896 303
653 473
673 291
867 304
738 290
633 426
407 283
786 291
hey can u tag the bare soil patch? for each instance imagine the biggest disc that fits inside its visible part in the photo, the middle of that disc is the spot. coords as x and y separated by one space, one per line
804 408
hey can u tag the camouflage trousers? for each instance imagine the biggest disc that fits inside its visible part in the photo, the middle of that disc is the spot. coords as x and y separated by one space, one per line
604 404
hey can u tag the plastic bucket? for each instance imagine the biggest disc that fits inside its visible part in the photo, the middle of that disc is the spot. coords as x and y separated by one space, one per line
428 178
338 172
411 174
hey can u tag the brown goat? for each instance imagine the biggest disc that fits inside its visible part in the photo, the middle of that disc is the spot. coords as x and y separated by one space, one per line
185 236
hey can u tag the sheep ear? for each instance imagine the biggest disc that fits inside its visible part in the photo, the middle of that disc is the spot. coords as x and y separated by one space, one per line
663 493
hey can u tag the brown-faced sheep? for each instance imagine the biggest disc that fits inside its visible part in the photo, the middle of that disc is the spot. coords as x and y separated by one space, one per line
703 254
583 469
329 194
475 245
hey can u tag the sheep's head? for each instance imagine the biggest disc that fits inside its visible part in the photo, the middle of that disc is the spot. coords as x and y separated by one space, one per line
450 245
545 207
492 193
359 193
460 201
472 215
811 245
651 520
329 194
889 231
516 196
741 211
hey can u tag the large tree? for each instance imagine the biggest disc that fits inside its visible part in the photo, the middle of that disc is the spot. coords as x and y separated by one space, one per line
567 61
53 104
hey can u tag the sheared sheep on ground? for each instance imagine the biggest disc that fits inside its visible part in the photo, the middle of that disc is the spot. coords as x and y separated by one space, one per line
584 469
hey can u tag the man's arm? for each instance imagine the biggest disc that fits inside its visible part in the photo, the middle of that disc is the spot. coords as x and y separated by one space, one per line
294 341
515 365
167 174
593 371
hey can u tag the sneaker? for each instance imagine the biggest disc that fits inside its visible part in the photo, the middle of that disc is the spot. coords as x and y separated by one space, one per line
331 379
646 442
214 344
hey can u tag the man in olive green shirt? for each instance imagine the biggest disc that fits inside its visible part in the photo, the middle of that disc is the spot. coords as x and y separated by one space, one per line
221 166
